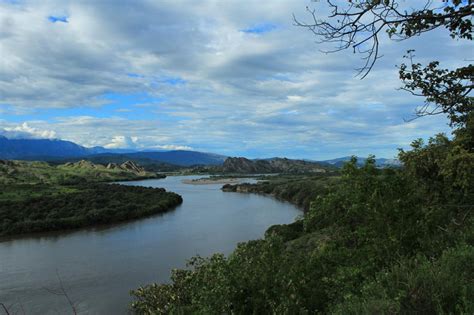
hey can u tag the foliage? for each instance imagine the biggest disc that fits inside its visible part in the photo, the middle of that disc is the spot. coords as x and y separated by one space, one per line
419 285
378 241
448 90
68 207
300 190
39 197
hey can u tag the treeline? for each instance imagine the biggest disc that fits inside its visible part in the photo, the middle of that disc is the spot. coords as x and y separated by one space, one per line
80 206
299 190
378 242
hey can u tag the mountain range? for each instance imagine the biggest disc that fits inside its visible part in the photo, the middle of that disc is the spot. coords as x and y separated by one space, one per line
30 149
66 151
274 165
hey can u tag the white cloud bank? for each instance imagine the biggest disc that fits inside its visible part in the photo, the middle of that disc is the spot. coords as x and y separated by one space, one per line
24 131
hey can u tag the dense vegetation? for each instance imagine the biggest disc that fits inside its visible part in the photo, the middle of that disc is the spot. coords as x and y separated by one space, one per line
299 190
377 241
85 205
38 197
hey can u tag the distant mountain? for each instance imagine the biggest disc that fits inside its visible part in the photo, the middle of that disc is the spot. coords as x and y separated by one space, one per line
61 150
382 162
273 165
66 151
128 166
117 158
182 157
29 149
163 159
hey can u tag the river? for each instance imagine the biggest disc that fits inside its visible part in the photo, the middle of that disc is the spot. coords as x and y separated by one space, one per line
98 267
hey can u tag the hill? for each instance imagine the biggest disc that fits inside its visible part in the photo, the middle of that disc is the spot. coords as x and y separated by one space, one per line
26 172
166 161
180 157
274 165
106 158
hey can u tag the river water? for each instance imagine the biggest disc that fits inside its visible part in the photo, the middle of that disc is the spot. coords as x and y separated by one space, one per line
98 267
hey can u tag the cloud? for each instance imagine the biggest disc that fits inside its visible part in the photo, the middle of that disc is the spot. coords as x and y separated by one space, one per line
211 81
174 147
122 142
24 131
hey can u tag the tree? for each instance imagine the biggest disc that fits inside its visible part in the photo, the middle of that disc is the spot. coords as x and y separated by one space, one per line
358 25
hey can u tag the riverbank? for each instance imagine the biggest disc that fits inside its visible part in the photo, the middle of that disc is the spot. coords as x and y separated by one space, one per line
71 207
211 181
298 190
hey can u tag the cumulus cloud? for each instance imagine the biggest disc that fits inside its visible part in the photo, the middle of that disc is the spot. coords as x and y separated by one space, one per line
119 142
24 131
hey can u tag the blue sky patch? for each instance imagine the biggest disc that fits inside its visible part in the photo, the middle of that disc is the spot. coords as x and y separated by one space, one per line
118 105
260 28
135 75
58 18
174 81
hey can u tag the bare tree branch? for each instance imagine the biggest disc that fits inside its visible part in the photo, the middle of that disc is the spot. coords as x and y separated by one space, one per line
5 308
61 291
355 23
358 24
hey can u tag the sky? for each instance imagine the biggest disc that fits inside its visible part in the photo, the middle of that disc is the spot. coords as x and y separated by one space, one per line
231 77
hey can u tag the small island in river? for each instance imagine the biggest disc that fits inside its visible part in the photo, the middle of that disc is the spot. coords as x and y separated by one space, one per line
212 180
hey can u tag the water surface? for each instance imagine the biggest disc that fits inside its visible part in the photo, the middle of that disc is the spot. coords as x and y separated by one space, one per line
98 267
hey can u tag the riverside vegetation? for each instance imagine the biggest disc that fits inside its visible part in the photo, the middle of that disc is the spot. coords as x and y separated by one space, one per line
38 197
300 190
379 241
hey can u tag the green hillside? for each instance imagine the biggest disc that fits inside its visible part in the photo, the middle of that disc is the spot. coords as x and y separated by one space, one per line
16 172
38 197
